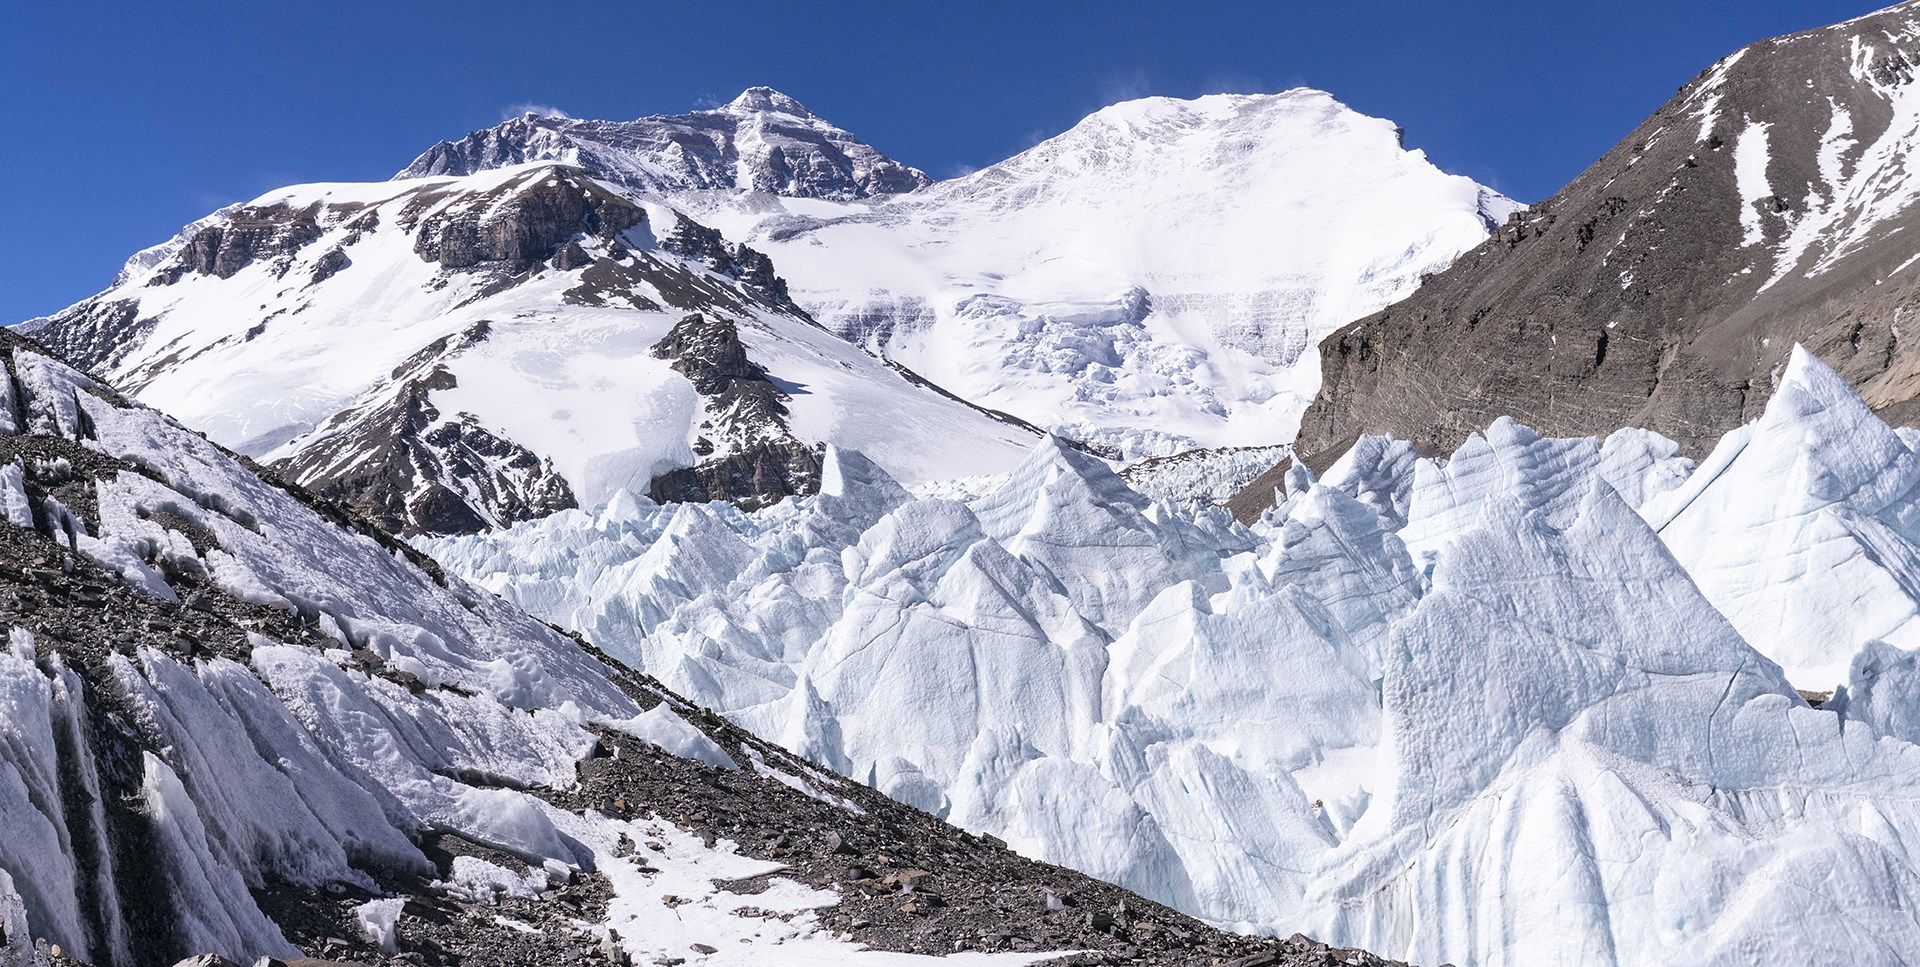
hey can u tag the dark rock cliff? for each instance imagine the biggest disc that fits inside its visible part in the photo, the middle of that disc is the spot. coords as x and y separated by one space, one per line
1766 204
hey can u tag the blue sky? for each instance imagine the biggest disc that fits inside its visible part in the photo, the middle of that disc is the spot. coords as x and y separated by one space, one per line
126 120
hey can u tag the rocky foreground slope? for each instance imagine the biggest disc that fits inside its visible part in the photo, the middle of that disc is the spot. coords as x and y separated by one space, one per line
1769 203
237 720
1538 702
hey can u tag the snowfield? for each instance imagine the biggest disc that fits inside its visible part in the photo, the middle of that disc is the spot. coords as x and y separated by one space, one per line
1534 703
1154 279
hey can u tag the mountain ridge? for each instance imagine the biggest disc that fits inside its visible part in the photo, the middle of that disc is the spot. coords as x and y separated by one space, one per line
762 140
1151 280
1762 206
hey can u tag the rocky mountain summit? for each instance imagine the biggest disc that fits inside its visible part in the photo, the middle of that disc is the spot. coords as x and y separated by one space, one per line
761 141
1770 202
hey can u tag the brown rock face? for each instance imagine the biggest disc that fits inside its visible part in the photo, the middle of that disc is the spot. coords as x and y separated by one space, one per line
403 464
248 234
544 210
1766 204
747 453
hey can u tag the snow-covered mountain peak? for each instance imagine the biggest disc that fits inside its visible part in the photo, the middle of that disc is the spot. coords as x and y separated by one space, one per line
1152 279
1174 147
473 351
766 100
762 141
1149 115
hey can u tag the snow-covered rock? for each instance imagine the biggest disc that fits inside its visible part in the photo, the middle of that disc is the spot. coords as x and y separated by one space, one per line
762 140
1519 705
453 353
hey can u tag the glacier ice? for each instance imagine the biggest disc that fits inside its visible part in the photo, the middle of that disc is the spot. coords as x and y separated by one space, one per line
1536 701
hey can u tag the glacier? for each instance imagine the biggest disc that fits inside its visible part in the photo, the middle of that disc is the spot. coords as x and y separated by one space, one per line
1537 701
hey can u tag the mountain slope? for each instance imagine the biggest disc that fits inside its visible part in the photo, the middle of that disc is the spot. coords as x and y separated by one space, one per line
449 354
763 141
236 720
1153 279
1533 703
1770 202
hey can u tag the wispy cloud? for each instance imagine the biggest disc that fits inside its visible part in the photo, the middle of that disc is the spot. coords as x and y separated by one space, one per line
1123 86
512 111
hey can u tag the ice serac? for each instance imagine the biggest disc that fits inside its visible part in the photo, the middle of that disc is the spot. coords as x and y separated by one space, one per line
1803 527
447 355
761 141
1151 280
1524 704
1768 203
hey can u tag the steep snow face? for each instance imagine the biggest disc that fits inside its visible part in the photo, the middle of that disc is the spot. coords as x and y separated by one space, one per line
1526 704
762 141
457 353
1153 279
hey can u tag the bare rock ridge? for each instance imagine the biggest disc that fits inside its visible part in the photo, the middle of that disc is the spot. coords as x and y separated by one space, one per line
1768 203
692 240
763 140
169 676
405 465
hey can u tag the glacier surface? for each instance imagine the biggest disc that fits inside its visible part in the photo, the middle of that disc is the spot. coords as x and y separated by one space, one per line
1534 702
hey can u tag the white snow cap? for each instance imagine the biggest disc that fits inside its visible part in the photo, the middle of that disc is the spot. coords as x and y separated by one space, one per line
768 100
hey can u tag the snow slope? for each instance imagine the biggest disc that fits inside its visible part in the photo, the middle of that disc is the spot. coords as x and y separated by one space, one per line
1154 278
490 341
1532 703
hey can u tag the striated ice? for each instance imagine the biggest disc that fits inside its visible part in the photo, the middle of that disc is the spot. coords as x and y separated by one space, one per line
1533 702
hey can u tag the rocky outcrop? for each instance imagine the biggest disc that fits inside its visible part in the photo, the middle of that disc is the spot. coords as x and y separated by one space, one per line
402 463
752 269
243 237
763 140
1766 204
745 452
525 221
